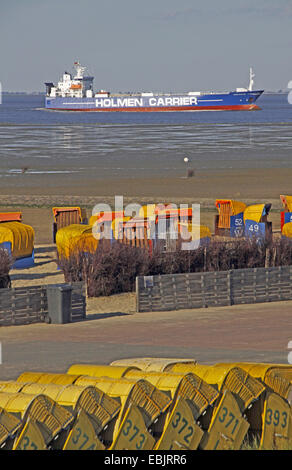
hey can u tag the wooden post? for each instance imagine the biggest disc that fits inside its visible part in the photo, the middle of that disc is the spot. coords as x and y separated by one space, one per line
137 295
267 260
274 255
229 290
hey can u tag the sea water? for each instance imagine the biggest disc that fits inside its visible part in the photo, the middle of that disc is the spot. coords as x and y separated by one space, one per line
127 144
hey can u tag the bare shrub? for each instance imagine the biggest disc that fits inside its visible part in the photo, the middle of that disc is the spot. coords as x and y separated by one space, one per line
5 266
113 268
282 253
73 267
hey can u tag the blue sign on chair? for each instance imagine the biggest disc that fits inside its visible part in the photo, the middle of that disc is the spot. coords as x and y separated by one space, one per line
19 263
6 246
255 229
237 225
287 217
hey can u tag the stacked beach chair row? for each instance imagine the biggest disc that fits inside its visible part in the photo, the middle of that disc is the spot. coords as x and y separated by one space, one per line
236 220
149 403
155 227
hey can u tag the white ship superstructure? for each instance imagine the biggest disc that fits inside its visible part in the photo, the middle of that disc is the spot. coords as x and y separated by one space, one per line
79 86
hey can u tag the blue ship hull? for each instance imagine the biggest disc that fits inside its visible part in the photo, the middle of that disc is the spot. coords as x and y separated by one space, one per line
239 100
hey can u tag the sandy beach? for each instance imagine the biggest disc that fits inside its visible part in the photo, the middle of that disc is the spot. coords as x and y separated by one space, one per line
35 197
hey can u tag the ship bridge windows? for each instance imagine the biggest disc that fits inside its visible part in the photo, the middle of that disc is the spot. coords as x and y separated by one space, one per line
67 77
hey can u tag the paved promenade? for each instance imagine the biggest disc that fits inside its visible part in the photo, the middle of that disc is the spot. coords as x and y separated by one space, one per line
258 333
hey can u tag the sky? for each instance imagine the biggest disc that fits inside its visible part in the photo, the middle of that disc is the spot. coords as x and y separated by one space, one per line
150 45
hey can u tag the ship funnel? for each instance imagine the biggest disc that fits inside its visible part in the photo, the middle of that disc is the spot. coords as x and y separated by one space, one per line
251 79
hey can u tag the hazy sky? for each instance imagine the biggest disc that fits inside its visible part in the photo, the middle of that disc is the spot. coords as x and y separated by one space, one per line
150 45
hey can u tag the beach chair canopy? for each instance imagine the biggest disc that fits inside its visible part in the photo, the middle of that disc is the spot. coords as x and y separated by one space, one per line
147 211
119 223
21 237
65 216
135 231
105 216
226 209
10 217
169 211
235 207
287 202
74 239
256 212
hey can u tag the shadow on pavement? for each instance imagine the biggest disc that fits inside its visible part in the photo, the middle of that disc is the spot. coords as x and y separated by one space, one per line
99 316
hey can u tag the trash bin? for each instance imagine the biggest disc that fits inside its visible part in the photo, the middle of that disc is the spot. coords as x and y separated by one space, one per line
59 303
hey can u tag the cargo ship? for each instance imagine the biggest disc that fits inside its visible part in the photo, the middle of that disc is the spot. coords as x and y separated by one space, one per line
74 92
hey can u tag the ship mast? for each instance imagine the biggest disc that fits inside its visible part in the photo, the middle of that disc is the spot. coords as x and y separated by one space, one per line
79 70
251 79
